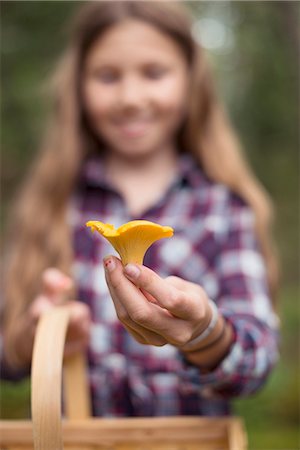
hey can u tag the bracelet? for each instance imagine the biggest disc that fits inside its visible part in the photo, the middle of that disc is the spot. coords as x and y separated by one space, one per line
211 344
193 344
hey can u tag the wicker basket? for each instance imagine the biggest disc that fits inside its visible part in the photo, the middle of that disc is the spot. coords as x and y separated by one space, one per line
48 431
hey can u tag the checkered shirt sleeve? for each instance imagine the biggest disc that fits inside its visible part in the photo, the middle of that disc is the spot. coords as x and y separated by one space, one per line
244 302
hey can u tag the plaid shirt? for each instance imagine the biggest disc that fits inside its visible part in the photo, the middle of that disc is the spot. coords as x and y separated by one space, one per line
214 245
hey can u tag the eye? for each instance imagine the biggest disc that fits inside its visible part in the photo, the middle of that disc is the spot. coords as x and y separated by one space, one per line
106 75
155 72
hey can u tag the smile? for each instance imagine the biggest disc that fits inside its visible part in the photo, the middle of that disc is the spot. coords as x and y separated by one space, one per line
133 129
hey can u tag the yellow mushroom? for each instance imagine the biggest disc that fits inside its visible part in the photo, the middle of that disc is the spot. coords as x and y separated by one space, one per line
132 239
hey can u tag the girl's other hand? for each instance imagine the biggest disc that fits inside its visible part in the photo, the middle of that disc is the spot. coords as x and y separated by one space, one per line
154 310
54 289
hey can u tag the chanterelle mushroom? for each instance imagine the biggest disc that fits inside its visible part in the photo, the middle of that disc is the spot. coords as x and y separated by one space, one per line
132 239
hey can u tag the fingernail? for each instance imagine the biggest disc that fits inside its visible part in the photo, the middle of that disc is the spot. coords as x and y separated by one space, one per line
132 271
109 264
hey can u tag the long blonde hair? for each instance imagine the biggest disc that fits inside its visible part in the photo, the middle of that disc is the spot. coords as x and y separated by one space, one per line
39 235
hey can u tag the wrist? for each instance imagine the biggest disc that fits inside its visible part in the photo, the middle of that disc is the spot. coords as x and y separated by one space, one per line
210 356
207 333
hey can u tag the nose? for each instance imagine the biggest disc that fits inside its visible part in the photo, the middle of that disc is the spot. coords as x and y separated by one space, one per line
131 93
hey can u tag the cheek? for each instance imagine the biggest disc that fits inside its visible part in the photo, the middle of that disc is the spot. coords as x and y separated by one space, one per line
172 98
97 102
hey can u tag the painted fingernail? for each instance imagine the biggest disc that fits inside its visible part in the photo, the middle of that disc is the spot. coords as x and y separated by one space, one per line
132 271
109 264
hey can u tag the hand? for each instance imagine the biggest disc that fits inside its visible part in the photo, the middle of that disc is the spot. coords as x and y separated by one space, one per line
54 289
156 311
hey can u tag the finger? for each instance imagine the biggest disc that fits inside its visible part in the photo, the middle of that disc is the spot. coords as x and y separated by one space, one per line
130 301
39 306
197 294
149 297
137 336
168 296
182 284
55 283
146 337
127 298
79 321
139 332
142 334
78 333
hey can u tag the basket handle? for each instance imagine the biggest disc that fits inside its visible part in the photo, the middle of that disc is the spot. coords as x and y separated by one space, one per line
46 381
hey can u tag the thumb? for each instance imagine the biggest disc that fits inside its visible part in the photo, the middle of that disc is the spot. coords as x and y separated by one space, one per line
55 284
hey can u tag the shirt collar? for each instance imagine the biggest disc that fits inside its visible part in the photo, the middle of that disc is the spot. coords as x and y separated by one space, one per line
190 172
93 172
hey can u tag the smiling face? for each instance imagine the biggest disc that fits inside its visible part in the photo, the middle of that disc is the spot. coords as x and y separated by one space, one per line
134 88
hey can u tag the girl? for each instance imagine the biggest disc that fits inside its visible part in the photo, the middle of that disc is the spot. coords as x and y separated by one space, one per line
138 132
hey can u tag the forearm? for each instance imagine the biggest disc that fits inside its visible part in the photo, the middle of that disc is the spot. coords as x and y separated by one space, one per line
242 366
17 344
12 367
246 365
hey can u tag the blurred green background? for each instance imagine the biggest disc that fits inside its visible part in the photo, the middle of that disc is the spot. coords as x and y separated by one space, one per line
254 50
